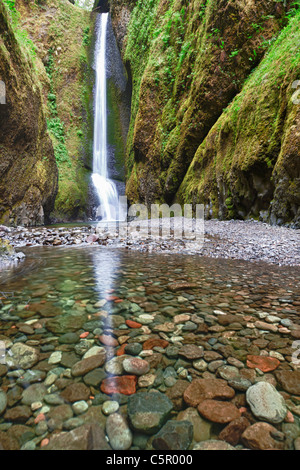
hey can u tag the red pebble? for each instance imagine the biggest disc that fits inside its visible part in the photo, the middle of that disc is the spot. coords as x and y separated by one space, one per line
125 384
133 324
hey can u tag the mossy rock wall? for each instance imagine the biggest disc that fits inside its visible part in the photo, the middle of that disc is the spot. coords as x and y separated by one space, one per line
28 171
203 128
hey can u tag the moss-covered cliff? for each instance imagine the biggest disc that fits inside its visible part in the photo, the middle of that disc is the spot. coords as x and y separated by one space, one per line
63 36
212 118
28 172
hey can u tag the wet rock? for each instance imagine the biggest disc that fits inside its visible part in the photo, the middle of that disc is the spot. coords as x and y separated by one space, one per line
85 437
110 407
175 393
118 432
233 431
33 393
125 384
18 414
289 380
148 411
108 340
264 363
154 342
75 392
203 389
22 356
201 427
88 364
266 403
191 351
213 445
3 401
260 436
174 435
133 349
135 366
218 411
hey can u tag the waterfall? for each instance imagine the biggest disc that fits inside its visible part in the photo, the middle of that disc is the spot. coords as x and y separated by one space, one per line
105 188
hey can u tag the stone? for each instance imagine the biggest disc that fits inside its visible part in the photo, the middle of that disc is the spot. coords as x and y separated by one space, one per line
68 338
191 351
174 435
201 427
146 380
135 366
115 365
260 436
289 380
94 377
263 363
118 432
3 402
80 407
21 356
153 342
175 393
109 407
125 384
203 389
85 437
266 403
18 414
133 324
213 445
218 411
133 349
55 357
75 392
33 393
108 340
148 411
88 364
233 431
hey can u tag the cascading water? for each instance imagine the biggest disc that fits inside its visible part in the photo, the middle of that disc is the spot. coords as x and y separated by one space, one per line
106 189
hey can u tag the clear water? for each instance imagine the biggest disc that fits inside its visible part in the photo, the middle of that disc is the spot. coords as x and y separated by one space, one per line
64 285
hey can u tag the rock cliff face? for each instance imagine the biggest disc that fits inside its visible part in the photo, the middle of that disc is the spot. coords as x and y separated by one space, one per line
28 171
214 114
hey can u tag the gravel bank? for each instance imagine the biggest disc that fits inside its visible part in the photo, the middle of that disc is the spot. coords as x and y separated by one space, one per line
246 240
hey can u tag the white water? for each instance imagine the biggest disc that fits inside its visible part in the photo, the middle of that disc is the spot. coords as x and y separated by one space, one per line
106 189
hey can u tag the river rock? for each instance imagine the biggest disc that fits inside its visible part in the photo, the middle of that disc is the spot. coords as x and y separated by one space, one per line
33 393
218 411
203 389
289 380
135 366
233 431
191 351
125 384
148 411
88 364
263 363
3 401
118 432
174 435
22 356
85 437
213 444
266 403
260 436
201 427
75 392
